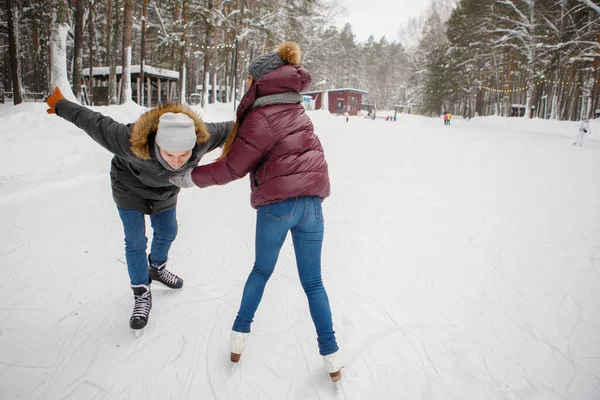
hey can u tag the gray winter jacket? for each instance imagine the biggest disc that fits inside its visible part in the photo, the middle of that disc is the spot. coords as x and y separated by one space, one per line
139 181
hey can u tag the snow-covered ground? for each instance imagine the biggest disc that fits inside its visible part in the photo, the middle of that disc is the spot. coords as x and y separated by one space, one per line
461 262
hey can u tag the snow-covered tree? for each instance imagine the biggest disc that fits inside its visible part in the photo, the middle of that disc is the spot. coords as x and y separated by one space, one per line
126 63
77 46
58 41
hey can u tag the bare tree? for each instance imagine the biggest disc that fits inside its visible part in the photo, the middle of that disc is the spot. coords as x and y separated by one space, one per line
13 49
591 5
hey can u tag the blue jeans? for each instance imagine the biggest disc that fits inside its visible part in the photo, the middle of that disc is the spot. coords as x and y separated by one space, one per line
164 225
304 217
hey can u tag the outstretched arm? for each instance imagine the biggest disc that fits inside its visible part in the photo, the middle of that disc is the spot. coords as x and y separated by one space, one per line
255 139
110 134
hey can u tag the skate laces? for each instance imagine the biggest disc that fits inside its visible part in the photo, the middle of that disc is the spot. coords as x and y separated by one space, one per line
332 362
237 342
167 276
143 303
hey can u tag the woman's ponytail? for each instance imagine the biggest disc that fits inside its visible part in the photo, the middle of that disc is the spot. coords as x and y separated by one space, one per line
230 139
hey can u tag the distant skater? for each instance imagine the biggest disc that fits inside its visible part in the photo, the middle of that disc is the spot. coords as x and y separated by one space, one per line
584 129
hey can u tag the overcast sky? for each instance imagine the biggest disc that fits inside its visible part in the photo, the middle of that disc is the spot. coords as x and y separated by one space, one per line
379 17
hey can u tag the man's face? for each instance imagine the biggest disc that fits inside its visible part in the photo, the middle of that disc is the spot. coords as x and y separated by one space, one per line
176 159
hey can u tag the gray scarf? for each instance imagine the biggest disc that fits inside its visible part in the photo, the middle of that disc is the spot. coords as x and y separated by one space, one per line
164 163
280 98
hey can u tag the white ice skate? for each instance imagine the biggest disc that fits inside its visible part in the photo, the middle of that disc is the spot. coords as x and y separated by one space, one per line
333 365
237 343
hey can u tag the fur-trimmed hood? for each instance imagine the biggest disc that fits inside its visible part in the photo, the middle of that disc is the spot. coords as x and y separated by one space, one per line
147 125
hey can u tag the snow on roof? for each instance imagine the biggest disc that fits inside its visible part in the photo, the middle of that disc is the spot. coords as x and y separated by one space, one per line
135 69
338 90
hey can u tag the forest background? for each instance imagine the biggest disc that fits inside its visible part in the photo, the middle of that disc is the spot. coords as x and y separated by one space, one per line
469 57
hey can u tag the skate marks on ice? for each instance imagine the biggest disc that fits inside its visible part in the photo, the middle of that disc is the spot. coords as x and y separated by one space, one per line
281 360
47 188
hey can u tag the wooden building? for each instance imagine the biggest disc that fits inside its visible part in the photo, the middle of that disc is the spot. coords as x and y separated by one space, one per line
338 101
160 85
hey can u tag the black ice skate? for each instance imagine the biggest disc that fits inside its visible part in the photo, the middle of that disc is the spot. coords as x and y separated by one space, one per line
160 274
141 308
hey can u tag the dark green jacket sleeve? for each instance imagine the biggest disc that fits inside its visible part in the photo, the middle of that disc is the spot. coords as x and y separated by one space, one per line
218 133
108 133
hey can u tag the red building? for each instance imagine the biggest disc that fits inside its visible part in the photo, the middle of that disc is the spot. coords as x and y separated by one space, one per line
338 101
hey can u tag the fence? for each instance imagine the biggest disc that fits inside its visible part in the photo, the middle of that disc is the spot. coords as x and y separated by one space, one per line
29 96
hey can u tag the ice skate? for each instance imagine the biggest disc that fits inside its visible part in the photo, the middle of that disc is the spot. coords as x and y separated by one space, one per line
141 308
237 343
334 366
160 273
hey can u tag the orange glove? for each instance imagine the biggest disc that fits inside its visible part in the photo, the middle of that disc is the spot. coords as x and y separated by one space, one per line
53 99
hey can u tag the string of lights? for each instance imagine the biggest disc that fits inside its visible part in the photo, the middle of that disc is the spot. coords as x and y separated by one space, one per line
221 46
548 81
540 82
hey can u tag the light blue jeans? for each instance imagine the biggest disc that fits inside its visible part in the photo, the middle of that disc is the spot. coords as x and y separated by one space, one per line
303 216
164 226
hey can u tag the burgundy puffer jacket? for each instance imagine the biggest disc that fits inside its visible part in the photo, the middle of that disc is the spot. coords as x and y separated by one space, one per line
276 144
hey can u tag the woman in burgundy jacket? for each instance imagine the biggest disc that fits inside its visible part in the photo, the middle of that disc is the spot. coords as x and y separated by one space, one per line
273 139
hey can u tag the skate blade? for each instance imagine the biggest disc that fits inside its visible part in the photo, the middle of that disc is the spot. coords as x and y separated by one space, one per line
234 367
138 333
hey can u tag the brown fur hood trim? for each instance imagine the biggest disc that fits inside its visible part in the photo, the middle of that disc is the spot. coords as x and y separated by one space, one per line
148 124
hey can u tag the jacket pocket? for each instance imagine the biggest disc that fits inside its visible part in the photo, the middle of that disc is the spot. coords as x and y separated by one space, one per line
282 210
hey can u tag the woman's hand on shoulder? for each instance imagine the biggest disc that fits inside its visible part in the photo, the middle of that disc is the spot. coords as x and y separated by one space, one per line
183 179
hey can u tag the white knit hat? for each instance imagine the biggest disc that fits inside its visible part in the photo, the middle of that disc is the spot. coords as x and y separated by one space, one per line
176 132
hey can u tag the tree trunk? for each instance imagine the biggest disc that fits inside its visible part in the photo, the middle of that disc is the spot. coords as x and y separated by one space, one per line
595 77
77 46
91 51
36 59
207 60
109 28
126 65
235 74
58 58
13 49
182 55
530 61
143 52
114 47
213 69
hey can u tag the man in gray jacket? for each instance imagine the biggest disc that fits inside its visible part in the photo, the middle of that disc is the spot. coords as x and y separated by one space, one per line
160 144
